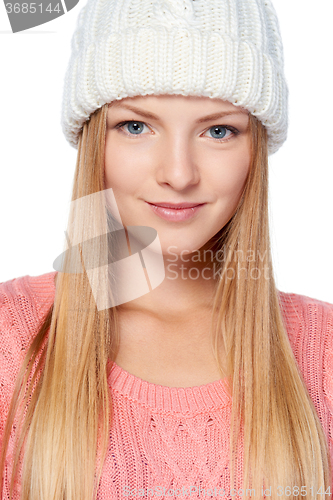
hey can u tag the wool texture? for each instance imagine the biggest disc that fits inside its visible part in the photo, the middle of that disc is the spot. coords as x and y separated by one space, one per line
165 438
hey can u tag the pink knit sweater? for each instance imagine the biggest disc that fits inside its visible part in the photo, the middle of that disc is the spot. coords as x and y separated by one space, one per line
166 442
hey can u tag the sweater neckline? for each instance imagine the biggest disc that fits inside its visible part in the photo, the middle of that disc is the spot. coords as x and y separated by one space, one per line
164 399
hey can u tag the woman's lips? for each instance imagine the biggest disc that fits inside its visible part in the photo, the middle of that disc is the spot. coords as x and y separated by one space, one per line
175 214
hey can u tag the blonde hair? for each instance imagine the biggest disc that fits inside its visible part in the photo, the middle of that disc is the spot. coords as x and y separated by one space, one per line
69 415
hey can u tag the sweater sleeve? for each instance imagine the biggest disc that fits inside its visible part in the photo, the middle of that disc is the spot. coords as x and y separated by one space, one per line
309 324
23 304
16 317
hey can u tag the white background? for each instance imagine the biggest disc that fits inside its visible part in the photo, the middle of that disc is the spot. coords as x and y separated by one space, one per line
37 164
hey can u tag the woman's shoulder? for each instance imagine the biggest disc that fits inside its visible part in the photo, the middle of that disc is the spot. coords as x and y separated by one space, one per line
28 292
24 302
295 298
29 284
309 324
307 318
306 314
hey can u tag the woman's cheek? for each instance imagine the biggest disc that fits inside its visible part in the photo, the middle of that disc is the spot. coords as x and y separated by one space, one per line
119 170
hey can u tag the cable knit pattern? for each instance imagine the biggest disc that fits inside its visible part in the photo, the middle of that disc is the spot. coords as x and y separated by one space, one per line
164 438
227 49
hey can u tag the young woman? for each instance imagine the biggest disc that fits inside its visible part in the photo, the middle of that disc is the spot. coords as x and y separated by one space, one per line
207 381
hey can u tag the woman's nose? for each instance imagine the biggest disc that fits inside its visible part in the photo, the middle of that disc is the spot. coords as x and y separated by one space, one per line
178 165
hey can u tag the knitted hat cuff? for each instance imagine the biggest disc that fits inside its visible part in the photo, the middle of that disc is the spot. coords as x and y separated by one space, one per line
183 61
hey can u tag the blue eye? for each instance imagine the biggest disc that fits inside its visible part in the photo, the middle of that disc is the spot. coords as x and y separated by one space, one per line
134 128
219 131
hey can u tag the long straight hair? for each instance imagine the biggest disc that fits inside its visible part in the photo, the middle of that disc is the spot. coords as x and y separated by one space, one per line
63 379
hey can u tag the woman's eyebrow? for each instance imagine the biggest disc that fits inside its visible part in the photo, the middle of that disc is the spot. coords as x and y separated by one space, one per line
207 118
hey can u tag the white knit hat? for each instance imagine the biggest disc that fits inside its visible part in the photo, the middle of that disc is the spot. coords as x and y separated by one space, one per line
227 49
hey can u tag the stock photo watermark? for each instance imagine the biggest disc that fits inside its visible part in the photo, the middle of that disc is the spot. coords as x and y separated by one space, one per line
123 264
214 270
23 15
198 491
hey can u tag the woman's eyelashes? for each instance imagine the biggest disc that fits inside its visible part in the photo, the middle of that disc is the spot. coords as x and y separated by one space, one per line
136 128
219 132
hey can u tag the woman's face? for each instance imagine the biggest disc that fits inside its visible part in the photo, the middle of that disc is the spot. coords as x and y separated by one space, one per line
170 151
